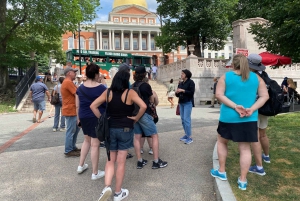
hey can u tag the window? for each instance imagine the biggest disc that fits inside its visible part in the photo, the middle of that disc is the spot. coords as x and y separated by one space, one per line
116 19
142 21
151 21
182 48
223 55
92 43
125 19
133 20
70 43
144 44
230 48
216 55
209 55
117 43
135 44
82 43
230 55
126 43
175 59
152 44
105 44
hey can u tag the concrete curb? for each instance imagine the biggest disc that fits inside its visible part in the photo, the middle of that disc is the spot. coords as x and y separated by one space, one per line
222 188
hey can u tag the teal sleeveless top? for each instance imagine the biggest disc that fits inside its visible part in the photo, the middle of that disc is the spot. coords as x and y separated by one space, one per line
241 93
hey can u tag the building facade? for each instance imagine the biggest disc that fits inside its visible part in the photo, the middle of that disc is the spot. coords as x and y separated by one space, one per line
131 28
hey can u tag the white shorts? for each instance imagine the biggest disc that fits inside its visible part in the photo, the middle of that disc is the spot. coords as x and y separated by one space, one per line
262 121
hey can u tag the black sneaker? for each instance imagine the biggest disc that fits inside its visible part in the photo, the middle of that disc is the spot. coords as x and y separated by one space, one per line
102 145
159 164
140 165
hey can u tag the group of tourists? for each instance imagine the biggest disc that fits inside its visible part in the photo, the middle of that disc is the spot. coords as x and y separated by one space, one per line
130 111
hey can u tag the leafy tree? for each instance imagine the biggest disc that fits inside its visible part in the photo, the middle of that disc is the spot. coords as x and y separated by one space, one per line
36 26
281 34
188 22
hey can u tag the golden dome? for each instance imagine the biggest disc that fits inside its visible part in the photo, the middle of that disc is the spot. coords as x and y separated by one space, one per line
141 3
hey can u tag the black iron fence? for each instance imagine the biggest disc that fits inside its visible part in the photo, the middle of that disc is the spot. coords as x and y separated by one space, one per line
24 85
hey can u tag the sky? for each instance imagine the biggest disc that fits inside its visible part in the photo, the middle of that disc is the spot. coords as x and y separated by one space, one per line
106 7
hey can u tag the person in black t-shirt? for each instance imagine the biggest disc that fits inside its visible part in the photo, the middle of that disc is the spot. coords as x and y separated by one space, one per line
146 124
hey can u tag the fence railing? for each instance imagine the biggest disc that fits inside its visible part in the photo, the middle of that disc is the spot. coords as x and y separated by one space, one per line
23 86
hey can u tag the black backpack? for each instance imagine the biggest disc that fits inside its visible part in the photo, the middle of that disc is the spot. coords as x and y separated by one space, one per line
273 106
136 88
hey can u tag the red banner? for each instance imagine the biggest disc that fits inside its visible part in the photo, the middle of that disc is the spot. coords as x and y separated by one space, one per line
242 51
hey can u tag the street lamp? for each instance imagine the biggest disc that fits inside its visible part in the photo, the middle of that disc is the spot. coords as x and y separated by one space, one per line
160 20
79 48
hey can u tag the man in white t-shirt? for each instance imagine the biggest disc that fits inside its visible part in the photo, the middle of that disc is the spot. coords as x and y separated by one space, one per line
154 72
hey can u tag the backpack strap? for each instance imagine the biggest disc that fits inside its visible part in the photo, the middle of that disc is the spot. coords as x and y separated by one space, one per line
126 95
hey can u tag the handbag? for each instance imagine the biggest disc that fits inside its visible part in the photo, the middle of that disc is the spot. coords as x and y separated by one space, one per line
102 128
177 110
55 98
153 112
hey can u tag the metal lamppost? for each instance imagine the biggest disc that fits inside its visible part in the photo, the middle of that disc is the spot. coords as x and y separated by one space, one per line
79 48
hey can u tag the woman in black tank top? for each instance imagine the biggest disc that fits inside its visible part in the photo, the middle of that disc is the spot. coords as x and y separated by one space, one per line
119 108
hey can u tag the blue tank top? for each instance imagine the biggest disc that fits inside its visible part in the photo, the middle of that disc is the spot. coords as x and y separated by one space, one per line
241 93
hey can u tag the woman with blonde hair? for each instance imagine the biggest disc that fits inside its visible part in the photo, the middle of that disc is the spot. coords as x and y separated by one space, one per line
238 90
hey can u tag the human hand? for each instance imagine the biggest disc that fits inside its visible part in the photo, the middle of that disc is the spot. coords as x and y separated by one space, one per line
241 110
133 118
249 112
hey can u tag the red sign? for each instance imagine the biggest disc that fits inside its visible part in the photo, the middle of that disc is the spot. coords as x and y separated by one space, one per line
242 51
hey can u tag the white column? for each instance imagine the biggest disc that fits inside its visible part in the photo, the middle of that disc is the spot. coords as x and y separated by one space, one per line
131 40
97 39
113 40
140 41
100 39
109 40
149 40
157 35
122 39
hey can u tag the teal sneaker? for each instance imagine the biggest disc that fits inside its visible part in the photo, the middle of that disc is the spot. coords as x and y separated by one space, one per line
242 184
215 173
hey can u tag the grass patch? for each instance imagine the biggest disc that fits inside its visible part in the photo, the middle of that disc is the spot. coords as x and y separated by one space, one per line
282 181
7 105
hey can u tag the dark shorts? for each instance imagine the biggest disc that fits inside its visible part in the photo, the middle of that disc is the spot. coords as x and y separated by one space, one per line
88 126
120 139
239 132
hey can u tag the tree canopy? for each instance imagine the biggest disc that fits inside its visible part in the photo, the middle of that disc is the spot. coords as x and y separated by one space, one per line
281 34
37 26
202 23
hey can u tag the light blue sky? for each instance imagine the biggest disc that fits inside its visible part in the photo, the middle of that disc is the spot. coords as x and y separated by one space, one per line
106 7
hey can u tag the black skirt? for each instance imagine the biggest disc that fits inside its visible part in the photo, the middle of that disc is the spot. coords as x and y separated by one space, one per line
88 126
239 132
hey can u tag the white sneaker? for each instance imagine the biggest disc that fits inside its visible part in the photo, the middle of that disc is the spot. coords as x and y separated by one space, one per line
124 193
81 169
142 151
99 175
106 193
150 152
54 129
62 129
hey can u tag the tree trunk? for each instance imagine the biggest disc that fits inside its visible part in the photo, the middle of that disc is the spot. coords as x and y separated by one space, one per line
195 41
3 68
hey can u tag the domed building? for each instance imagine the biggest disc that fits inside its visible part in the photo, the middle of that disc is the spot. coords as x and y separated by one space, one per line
130 28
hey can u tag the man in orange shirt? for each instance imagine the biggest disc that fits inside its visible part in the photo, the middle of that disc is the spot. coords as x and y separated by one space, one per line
68 91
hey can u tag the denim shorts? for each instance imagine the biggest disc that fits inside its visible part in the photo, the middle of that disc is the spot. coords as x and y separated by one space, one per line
145 125
121 140
39 105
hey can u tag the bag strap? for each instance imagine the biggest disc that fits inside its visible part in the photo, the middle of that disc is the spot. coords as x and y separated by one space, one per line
126 95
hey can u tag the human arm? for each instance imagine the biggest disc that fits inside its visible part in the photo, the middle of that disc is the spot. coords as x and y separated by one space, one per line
263 96
220 95
30 95
134 97
48 94
94 106
77 108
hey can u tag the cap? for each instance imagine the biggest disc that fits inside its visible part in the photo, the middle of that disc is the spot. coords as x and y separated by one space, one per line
38 77
68 69
254 61
124 66
140 69
79 76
